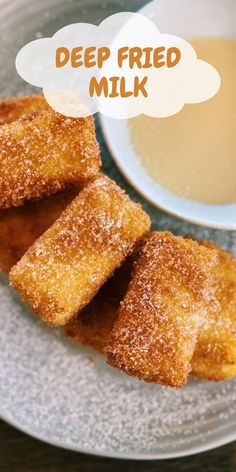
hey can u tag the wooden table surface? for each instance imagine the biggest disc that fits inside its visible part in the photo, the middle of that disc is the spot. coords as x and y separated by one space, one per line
21 453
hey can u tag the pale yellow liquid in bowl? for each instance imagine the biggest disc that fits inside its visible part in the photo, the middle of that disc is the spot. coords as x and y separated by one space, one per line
193 153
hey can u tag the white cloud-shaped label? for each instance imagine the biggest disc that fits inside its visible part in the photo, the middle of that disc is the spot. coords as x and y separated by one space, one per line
123 67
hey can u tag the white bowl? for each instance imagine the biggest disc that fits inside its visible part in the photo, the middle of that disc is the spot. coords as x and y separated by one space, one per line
186 19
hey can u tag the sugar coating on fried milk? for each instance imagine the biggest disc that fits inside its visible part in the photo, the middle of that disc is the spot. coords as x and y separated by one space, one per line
21 226
13 108
214 357
94 324
156 331
45 152
64 269
215 354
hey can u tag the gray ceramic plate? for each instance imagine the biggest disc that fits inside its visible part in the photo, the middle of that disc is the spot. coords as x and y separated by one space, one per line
67 395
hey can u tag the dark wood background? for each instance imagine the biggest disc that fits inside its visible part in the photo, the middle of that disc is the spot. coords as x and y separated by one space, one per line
21 453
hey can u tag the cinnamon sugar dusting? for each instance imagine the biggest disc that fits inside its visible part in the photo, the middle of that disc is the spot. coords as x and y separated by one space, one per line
93 325
21 226
67 265
13 108
173 314
43 153
215 354
156 331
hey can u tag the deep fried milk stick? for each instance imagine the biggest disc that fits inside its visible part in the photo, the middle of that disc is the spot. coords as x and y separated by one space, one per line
67 265
156 331
13 108
21 226
94 324
45 152
215 354
214 357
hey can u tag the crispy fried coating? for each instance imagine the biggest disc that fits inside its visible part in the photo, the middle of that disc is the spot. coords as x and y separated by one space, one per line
215 354
20 227
214 357
94 324
45 152
64 269
156 331
13 108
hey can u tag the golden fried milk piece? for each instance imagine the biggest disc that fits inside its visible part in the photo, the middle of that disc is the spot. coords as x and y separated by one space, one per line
20 227
156 331
215 354
64 269
94 324
13 108
45 152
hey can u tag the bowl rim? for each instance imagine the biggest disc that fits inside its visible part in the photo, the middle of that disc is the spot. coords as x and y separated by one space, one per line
209 215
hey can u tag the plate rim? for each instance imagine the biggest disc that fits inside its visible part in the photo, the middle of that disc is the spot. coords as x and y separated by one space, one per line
122 455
